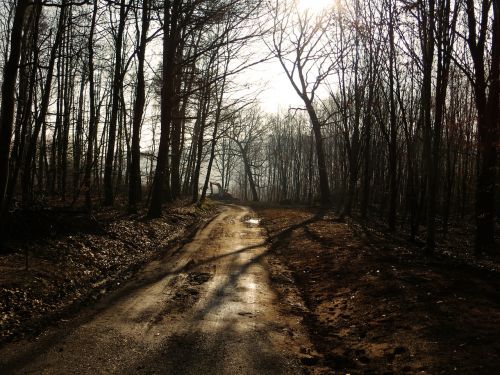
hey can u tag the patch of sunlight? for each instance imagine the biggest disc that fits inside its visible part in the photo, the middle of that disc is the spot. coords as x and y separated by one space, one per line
253 221
314 6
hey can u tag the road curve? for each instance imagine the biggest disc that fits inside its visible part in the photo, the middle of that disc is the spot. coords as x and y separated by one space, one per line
208 309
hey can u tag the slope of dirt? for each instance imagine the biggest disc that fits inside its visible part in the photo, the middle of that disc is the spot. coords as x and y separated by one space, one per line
208 308
58 260
378 307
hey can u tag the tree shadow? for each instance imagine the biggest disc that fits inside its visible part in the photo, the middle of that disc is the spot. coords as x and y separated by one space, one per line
57 335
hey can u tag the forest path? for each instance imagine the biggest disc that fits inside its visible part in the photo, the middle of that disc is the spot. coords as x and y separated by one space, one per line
207 309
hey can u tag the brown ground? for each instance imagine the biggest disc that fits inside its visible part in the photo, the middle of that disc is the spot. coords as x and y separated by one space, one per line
207 308
314 296
73 259
372 306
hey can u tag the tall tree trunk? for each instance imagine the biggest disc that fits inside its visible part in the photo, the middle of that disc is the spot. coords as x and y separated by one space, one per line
248 173
320 154
68 104
171 14
427 42
135 193
214 138
393 162
367 165
89 161
204 108
176 132
78 137
8 100
44 106
444 37
487 106
27 86
116 90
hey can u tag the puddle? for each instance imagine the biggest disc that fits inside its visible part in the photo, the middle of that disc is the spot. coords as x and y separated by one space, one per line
253 221
199 278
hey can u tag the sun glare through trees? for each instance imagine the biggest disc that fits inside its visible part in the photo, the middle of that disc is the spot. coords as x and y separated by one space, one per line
315 6
249 186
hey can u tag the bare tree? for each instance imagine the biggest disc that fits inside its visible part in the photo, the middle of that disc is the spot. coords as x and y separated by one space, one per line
140 99
8 99
300 43
486 91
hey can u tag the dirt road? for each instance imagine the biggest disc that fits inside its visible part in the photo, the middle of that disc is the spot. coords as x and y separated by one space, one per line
207 309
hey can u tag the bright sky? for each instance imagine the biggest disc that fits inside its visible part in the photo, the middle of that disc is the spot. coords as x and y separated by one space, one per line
276 92
268 79
314 5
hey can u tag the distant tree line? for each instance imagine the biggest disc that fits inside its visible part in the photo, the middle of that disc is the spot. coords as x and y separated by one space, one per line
400 116
103 98
136 99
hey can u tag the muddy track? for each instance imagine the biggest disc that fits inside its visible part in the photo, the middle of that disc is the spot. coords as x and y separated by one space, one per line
208 309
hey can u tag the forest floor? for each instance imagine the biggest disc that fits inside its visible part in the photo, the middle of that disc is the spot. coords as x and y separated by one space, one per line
270 291
374 304
57 260
207 308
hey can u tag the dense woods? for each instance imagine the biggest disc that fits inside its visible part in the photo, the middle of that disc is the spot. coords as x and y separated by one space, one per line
138 101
